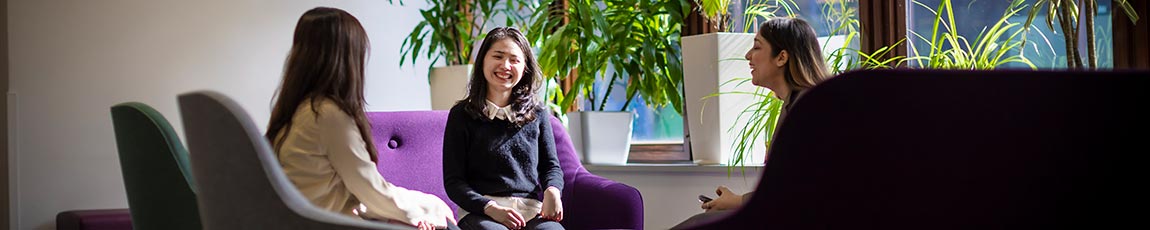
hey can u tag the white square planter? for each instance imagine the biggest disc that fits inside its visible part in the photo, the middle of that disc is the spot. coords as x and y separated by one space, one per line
448 85
603 138
709 60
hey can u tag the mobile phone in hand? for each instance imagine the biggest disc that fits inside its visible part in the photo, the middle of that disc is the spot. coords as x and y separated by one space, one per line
704 199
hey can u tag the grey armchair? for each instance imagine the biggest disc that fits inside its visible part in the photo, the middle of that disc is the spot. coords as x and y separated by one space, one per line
240 182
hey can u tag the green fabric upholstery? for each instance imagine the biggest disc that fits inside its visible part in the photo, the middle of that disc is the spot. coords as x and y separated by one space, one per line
157 173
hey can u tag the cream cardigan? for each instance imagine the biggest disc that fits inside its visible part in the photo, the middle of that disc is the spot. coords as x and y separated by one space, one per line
327 160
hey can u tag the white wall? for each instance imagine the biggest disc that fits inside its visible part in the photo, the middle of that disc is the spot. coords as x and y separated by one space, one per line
71 60
670 196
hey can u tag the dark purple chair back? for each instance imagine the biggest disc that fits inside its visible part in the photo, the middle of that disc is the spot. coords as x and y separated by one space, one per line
915 149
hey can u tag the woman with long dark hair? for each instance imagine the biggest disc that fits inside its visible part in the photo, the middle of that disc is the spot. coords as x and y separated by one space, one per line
787 59
320 132
498 150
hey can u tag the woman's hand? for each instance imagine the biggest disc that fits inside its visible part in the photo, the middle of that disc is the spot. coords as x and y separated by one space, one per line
504 215
552 204
443 211
727 200
424 225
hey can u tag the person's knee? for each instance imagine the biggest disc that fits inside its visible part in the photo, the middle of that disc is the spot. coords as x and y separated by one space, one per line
472 221
701 217
540 224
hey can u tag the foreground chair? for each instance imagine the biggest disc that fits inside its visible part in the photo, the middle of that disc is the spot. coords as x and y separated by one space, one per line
240 182
914 149
410 148
157 176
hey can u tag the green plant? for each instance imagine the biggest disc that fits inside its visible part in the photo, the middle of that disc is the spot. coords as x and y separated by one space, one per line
635 41
553 93
757 118
991 48
760 118
717 12
1067 13
450 27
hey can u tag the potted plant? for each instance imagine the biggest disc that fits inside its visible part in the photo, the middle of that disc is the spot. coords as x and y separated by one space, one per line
713 63
449 30
630 42
992 48
754 123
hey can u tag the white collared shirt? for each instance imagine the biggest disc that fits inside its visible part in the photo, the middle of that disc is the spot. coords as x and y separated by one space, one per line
493 111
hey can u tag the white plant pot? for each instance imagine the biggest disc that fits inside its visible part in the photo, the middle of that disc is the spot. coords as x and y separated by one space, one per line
709 60
603 138
448 85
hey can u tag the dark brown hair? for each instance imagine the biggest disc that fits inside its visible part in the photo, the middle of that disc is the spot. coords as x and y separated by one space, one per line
524 102
326 61
805 66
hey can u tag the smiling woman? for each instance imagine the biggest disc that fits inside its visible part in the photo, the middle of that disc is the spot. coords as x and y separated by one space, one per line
499 154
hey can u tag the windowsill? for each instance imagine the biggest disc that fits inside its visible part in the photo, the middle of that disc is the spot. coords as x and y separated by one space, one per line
682 167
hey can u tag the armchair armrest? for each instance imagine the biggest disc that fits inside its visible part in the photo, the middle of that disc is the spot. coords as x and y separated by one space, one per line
594 202
102 219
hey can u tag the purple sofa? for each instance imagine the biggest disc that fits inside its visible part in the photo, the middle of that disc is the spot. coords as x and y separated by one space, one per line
410 151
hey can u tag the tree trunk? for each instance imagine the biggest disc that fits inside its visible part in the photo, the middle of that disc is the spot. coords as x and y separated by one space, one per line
1070 34
1089 16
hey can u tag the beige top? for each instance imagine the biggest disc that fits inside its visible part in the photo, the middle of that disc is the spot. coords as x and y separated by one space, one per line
327 160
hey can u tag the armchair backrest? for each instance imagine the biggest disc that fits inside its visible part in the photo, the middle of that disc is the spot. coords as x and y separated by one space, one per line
923 149
410 145
157 175
241 183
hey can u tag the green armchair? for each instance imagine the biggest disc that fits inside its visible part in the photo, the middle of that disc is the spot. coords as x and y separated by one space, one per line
157 176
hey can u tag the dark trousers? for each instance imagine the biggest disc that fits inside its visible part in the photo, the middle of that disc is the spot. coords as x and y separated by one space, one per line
483 222
698 218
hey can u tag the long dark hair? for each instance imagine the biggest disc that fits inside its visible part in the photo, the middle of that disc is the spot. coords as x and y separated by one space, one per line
524 101
326 62
806 66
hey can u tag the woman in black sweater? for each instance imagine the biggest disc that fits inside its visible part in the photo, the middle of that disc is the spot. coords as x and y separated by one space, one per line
498 149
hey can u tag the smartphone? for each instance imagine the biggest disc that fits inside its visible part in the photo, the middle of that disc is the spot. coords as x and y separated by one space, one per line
704 199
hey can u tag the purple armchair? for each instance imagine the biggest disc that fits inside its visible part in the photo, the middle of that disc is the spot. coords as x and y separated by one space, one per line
410 155
930 149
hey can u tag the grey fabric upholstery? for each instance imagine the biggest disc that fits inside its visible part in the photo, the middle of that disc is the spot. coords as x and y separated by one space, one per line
240 182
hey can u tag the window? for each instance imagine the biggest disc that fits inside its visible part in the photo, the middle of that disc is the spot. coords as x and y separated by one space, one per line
1045 47
657 135
658 132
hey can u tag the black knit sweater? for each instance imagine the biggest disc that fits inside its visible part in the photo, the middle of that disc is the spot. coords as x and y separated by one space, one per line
493 157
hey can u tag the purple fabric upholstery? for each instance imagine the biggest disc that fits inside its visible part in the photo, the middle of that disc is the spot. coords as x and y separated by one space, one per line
410 147
103 219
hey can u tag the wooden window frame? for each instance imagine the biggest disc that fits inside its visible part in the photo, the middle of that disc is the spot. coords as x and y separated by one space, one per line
883 23
1131 51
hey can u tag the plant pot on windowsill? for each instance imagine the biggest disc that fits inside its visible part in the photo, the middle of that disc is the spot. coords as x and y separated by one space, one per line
709 61
604 138
448 85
